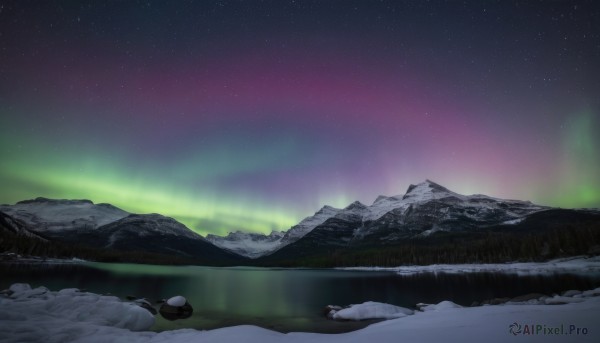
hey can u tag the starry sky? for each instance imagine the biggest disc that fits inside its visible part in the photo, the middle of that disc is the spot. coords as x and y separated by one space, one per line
251 115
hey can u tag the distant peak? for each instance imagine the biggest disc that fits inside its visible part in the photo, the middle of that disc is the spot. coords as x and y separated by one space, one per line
427 185
355 205
41 200
380 198
326 209
425 188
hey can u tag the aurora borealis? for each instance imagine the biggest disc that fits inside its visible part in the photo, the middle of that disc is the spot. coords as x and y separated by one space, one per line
250 115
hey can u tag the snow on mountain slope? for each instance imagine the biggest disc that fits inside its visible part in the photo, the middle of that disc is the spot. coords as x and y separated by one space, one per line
152 233
143 225
252 245
307 224
48 215
429 191
424 209
11 225
420 193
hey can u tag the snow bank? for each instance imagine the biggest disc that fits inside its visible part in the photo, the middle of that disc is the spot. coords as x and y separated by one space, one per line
571 265
591 293
371 310
444 305
558 300
29 315
65 316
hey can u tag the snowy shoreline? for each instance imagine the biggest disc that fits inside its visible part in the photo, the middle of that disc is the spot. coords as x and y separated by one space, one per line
69 315
576 264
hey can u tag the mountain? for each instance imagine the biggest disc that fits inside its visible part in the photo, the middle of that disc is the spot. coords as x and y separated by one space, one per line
103 226
308 224
16 227
246 244
255 245
425 208
425 213
154 233
55 216
427 224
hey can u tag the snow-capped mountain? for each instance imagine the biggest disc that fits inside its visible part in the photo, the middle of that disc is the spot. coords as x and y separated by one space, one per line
53 216
153 233
106 226
427 211
425 208
250 245
307 224
428 207
15 226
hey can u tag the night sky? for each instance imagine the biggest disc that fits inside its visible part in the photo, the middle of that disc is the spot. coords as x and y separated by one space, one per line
251 115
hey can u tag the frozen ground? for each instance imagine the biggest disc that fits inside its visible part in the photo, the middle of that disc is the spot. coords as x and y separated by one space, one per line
565 265
39 315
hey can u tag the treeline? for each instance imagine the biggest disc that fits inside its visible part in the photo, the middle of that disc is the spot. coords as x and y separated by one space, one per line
452 248
32 246
492 246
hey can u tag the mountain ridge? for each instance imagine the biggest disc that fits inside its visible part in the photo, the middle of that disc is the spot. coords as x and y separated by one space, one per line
426 212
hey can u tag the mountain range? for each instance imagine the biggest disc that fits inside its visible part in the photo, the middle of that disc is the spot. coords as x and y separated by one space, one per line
103 226
427 215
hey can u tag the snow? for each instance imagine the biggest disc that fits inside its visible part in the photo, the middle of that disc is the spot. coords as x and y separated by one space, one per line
557 300
428 190
513 221
177 301
39 315
73 316
371 310
146 224
591 293
572 265
571 292
307 224
444 305
56 215
251 245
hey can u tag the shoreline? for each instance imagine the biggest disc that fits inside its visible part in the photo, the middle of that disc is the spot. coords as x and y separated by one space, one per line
565 264
575 264
41 315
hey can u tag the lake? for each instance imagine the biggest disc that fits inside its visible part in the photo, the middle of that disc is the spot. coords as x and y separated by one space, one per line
281 299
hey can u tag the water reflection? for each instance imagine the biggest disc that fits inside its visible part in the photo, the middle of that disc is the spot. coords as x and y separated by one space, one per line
282 299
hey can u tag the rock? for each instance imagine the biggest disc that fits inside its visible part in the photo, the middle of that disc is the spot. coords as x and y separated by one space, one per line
475 304
176 308
130 297
330 310
571 293
527 297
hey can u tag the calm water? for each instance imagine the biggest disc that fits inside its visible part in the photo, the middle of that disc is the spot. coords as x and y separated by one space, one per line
281 299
